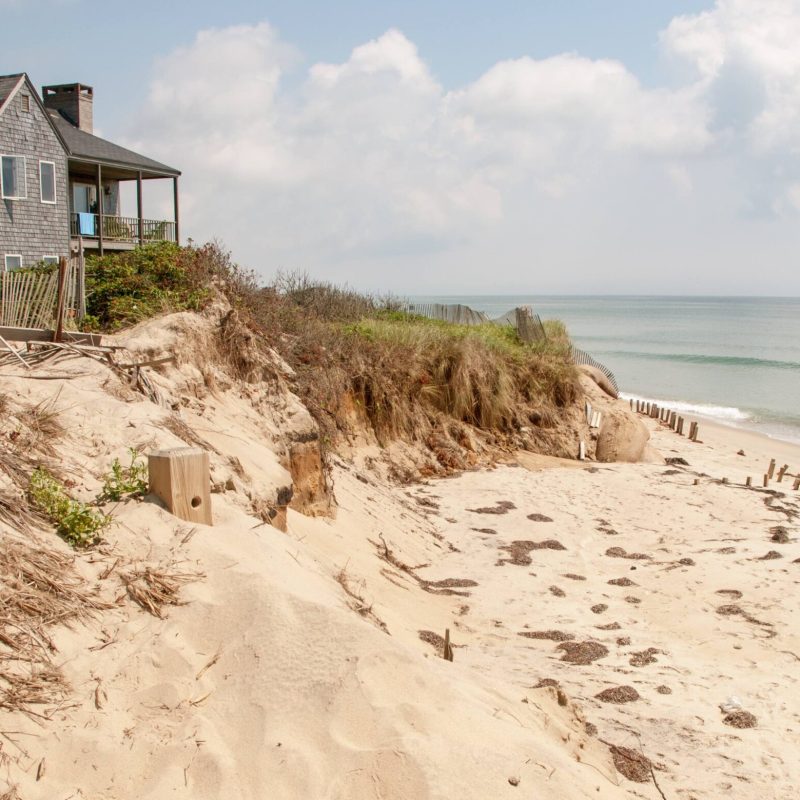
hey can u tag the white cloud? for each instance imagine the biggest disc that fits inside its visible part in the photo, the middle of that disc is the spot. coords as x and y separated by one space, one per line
747 55
371 170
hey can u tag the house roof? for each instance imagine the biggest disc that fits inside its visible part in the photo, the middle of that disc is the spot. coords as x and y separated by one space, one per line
8 86
86 146
83 146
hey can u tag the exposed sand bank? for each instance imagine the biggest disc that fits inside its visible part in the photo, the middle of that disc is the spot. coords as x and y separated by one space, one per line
307 664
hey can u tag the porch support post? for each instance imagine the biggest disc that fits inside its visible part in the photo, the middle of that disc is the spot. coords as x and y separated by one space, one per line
175 203
100 208
139 206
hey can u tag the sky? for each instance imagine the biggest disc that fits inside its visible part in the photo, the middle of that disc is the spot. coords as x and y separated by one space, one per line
420 147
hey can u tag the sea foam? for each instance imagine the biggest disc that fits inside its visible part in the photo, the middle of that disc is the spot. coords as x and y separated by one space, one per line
728 413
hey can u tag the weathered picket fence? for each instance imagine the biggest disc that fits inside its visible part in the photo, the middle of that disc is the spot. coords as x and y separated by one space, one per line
29 298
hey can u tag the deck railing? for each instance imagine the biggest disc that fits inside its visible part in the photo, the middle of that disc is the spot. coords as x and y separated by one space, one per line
121 229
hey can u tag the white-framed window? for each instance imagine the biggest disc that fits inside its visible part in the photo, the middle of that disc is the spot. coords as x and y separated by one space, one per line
50 259
13 261
13 185
47 182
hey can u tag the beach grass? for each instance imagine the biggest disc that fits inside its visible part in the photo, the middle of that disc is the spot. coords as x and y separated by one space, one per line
405 374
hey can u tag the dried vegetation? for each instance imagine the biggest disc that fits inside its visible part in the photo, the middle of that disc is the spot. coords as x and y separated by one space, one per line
152 588
358 361
39 588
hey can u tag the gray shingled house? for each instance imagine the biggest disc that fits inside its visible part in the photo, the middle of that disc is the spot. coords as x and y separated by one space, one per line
60 184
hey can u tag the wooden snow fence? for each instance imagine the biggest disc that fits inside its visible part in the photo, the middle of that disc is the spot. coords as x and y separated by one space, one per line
455 313
30 298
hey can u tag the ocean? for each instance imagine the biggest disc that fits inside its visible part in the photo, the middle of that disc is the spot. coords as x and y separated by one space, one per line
735 360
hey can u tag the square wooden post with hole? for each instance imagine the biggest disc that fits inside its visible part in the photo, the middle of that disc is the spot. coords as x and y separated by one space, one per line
181 479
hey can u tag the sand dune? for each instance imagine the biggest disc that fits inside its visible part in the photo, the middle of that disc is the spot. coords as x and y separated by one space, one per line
599 614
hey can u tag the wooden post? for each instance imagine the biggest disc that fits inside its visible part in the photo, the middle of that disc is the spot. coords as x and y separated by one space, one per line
697 481
100 208
175 206
749 481
766 479
61 298
724 481
582 451
181 478
81 280
796 484
447 655
782 472
771 470
139 204
631 405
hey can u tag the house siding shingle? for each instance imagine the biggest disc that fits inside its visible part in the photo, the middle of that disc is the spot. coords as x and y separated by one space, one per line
29 227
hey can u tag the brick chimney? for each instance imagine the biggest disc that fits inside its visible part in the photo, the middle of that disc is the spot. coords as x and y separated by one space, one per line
73 101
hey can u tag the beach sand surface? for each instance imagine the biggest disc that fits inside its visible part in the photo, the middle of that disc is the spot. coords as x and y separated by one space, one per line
308 663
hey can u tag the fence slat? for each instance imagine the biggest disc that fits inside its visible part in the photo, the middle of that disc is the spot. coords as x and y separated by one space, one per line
27 299
581 357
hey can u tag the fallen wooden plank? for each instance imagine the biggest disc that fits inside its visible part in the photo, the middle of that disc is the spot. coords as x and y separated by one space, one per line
152 362
42 335
13 351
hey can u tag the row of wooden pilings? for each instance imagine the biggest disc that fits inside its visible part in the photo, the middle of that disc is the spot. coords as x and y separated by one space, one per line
677 423
665 415
769 475
782 473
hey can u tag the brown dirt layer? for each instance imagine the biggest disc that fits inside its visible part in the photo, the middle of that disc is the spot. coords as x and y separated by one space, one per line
740 719
631 764
582 653
644 657
621 582
618 694
520 549
553 636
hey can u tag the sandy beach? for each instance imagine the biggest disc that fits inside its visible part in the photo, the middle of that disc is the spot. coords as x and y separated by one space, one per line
601 614
686 588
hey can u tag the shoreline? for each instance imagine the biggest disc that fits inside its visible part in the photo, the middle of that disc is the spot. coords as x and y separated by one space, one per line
690 411
719 444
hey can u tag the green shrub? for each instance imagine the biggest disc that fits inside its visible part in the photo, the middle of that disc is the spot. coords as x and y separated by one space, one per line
125 480
125 288
76 522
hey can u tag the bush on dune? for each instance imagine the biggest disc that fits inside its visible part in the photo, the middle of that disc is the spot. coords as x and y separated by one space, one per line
405 373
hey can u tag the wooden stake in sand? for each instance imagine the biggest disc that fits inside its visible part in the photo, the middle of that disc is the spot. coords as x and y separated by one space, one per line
447 655
766 479
749 481
181 478
61 298
582 451
796 484
782 472
771 470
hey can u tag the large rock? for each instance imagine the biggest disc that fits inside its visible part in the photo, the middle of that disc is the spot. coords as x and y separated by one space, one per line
600 379
622 437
